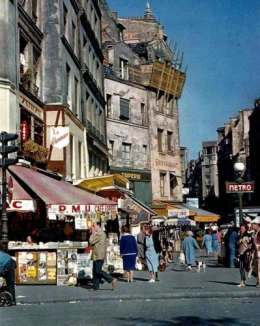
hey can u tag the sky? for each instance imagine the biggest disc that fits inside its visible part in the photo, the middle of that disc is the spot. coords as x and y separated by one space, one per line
220 40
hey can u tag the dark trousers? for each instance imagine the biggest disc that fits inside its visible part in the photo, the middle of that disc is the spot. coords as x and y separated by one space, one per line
9 277
99 274
242 266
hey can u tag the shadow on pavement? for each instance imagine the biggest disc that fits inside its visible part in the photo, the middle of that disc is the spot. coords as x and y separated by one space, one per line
183 320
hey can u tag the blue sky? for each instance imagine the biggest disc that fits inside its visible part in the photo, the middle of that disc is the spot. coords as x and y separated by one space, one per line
221 44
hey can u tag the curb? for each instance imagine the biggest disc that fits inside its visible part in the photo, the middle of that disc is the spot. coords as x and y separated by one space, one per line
166 296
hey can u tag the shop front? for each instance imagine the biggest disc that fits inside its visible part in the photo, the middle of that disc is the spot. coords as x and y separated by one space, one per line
58 227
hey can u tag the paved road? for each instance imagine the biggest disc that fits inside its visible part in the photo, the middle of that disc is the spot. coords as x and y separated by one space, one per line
175 283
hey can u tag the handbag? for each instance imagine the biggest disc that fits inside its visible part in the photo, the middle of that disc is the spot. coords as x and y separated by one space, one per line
162 266
181 258
138 265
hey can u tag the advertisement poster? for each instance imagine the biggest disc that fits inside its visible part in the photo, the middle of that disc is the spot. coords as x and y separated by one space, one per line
32 267
67 267
85 266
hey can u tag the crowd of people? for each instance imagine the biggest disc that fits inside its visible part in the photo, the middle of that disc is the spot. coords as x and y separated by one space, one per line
241 245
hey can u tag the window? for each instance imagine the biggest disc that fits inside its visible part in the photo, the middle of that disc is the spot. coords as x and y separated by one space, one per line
169 141
109 106
144 153
143 114
80 157
123 67
74 38
34 10
124 109
159 136
65 20
162 183
111 147
126 150
169 105
159 102
207 181
173 183
71 155
68 84
76 95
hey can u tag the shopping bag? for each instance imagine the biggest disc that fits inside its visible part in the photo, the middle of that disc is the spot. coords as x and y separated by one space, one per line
138 265
181 258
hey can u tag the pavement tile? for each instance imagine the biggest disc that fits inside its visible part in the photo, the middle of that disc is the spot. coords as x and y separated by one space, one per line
175 282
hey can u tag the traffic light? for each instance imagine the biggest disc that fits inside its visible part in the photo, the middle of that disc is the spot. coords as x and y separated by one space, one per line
7 149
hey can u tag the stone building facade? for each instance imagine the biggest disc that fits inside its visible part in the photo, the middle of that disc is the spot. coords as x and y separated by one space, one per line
149 85
51 84
233 145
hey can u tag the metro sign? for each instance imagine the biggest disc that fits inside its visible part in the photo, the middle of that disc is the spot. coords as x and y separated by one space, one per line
233 187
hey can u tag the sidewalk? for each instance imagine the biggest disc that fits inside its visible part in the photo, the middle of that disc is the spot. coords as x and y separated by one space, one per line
175 283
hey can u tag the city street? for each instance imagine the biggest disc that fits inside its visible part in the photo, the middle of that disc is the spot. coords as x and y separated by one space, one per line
180 298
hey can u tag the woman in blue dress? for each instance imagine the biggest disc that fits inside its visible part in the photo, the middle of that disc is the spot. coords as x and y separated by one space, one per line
152 252
207 242
128 252
215 247
189 246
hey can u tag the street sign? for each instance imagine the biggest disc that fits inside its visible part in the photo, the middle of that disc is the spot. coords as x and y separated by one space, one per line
233 187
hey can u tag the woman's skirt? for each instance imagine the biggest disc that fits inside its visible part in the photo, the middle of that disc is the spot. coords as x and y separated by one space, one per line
129 262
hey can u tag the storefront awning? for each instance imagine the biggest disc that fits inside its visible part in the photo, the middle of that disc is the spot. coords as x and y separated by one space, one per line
21 201
60 196
206 219
96 183
180 222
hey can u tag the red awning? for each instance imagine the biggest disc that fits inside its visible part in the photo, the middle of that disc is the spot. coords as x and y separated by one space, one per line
21 201
60 196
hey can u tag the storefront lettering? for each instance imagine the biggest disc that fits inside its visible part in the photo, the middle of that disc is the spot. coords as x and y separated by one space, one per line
131 175
17 204
165 163
31 107
74 209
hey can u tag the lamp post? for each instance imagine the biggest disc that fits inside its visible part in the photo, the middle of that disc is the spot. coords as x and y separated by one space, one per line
239 168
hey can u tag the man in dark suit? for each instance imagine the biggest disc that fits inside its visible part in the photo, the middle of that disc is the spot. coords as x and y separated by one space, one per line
98 241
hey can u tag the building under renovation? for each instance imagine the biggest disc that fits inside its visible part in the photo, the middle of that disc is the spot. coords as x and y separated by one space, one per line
143 82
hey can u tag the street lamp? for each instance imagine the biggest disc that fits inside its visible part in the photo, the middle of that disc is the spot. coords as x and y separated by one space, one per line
239 168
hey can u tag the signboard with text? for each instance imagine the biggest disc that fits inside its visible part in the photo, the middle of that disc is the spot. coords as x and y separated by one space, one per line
233 187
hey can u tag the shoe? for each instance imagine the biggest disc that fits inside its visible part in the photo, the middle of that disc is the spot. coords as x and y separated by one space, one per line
91 290
151 281
241 285
189 268
14 303
257 286
113 283
157 280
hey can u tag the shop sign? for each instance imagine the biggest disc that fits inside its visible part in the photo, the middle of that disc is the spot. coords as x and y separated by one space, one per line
166 164
180 213
21 205
76 209
31 106
59 137
24 131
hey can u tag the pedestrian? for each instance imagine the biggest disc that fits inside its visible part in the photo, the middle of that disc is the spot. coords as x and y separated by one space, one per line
98 241
232 246
188 247
226 244
140 245
152 252
128 252
215 246
256 264
8 265
207 242
220 237
244 239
